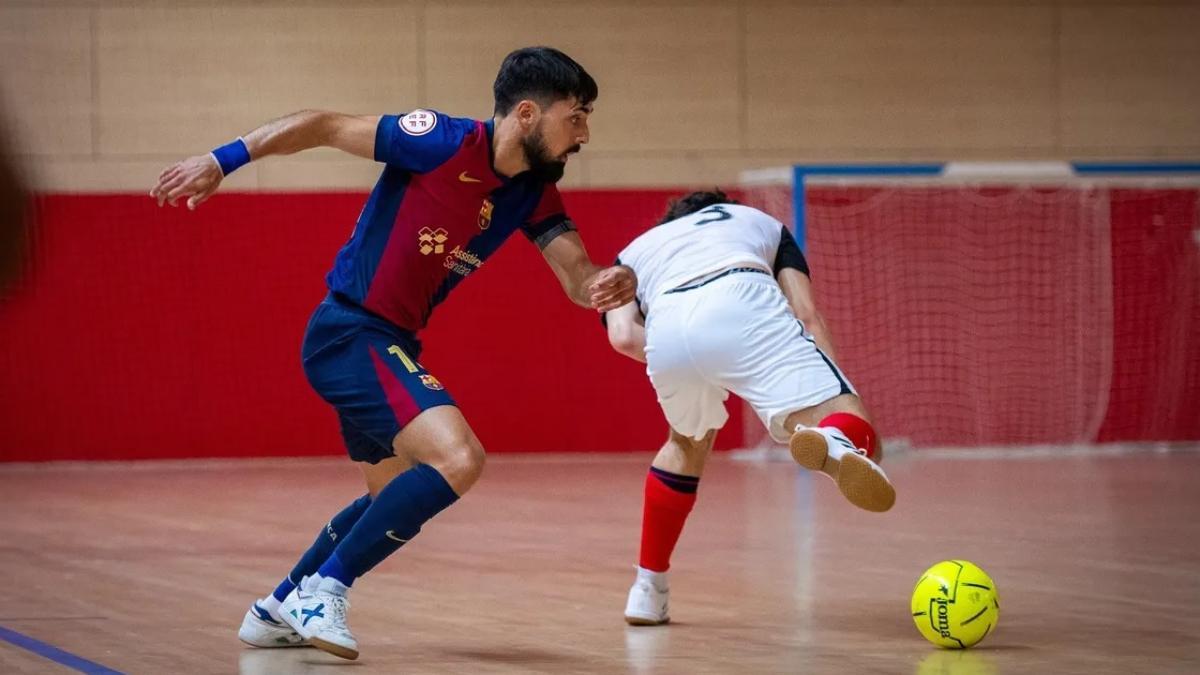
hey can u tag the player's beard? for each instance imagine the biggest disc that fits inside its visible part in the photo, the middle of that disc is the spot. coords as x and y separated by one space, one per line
542 164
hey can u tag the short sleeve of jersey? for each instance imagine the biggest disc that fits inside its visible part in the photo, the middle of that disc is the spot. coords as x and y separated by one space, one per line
789 254
549 219
420 140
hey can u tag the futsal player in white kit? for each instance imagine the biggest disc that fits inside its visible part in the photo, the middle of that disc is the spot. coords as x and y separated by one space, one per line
724 304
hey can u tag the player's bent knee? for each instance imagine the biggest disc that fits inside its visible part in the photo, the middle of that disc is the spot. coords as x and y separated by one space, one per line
461 465
847 414
810 417
691 446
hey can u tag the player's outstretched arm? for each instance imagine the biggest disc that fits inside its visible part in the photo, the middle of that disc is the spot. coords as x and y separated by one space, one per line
198 177
627 331
798 290
588 285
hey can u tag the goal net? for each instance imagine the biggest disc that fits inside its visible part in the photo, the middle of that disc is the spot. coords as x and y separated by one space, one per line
1004 303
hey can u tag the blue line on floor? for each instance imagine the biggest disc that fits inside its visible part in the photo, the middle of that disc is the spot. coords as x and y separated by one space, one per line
55 654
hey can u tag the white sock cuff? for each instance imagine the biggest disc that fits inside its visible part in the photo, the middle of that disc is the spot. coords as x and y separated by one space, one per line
331 585
656 579
270 604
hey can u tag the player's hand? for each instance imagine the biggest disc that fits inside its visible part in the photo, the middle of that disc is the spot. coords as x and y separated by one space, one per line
195 178
611 288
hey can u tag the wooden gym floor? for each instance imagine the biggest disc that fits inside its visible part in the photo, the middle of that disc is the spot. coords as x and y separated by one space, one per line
148 568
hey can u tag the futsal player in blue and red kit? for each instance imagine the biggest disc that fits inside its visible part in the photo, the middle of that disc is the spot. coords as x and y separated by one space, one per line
452 191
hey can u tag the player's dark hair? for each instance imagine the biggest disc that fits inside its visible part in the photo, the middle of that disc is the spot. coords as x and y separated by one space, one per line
541 74
693 202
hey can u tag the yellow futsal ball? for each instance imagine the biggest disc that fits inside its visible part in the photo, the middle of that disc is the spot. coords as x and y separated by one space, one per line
955 605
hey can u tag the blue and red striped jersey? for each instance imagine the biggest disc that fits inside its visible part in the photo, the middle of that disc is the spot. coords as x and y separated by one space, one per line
435 215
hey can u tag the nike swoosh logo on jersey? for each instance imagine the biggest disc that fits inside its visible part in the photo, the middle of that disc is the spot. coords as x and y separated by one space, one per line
467 179
391 534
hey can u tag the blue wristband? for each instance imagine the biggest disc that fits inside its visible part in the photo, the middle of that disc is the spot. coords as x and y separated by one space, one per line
232 156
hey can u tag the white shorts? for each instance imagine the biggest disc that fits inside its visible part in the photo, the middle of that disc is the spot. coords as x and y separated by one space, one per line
737 334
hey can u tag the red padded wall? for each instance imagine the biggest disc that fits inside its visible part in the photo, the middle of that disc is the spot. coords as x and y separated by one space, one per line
145 333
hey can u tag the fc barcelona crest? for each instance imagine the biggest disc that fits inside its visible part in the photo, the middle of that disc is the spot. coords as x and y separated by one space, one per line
431 382
485 214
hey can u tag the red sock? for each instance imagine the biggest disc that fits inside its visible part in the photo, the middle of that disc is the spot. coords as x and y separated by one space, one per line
858 430
669 500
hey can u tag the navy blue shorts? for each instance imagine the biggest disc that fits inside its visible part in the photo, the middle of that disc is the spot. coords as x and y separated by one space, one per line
367 369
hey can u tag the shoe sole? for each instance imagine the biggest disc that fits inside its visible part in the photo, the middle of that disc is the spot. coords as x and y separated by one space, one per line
273 645
809 449
335 649
858 482
863 485
643 621
290 645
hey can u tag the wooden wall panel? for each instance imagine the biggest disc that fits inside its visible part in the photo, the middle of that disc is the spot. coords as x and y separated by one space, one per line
1131 79
179 80
668 75
46 79
117 174
103 94
676 169
900 77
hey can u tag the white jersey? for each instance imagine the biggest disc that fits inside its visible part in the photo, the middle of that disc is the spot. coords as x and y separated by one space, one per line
712 239
720 333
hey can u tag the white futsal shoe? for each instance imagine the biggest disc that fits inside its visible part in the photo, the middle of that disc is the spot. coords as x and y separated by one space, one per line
647 604
316 609
261 628
826 449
